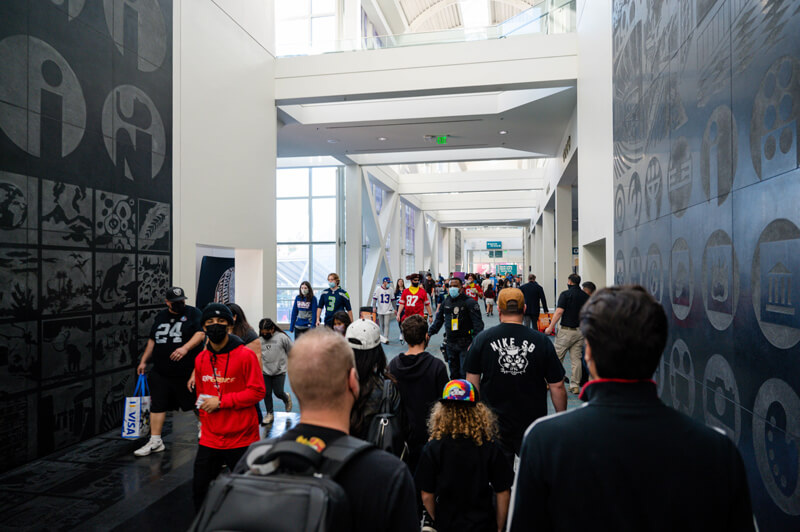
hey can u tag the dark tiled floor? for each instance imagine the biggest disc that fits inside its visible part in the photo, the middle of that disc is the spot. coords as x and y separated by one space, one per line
100 485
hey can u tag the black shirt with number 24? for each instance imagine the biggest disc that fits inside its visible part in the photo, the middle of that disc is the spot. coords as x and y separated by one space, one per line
169 332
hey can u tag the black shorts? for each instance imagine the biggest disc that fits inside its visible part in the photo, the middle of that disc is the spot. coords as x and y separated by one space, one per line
169 393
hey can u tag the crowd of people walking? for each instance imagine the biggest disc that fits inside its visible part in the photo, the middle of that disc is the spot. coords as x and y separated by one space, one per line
464 444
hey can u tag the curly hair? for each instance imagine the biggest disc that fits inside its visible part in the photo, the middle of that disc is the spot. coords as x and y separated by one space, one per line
452 420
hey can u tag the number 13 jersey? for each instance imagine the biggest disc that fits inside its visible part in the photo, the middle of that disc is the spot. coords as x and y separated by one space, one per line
169 332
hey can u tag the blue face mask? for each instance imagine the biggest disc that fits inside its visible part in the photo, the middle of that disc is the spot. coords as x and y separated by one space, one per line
332 284
453 291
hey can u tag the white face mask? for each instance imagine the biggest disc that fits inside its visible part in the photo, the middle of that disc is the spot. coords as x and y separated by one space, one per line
304 291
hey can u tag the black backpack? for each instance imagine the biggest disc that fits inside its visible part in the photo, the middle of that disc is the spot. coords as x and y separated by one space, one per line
386 428
266 496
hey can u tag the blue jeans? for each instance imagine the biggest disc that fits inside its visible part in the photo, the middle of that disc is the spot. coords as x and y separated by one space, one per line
456 359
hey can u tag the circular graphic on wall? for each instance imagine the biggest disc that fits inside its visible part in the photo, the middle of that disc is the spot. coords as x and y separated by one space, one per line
635 271
680 176
74 8
139 29
718 154
133 132
37 78
635 199
721 398
775 285
619 209
776 425
653 277
774 142
13 206
619 268
681 281
681 377
720 280
653 189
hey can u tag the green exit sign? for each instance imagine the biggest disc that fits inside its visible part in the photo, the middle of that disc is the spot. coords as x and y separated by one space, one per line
441 139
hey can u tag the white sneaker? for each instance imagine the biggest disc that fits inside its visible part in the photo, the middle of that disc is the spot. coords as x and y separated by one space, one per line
150 447
269 418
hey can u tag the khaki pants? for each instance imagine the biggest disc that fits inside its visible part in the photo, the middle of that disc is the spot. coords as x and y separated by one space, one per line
570 340
384 320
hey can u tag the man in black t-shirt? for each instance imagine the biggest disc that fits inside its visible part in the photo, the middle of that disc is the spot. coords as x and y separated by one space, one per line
176 338
379 487
534 298
569 337
513 367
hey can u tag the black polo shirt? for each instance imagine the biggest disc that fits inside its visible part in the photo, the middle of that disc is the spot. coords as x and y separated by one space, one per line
572 301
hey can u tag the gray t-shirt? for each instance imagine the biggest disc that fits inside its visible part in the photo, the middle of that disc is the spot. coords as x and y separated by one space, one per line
275 353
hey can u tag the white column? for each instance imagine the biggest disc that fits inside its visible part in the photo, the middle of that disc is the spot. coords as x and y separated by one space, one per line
249 283
451 250
350 24
351 280
240 66
563 234
397 241
548 273
419 241
537 250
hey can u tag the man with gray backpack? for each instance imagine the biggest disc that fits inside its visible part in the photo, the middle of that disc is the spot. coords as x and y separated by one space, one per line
315 476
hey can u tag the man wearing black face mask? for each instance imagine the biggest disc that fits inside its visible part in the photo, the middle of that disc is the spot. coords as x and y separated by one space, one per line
175 340
229 385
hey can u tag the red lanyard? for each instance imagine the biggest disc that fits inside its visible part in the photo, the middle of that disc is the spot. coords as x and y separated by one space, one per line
212 359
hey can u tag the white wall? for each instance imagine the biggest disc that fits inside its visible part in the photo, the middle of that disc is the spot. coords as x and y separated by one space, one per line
225 141
521 59
595 170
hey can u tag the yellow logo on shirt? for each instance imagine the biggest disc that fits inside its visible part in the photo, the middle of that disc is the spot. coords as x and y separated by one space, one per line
313 442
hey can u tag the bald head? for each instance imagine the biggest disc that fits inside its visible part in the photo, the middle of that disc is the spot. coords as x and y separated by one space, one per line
319 367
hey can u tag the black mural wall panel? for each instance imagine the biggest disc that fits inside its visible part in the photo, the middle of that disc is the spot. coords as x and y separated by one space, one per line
707 217
85 211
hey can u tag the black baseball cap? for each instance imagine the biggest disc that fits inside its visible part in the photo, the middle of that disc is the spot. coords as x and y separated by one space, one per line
175 293
217 310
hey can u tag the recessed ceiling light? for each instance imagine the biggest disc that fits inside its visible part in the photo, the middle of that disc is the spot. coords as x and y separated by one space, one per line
381 139
333 141
503 132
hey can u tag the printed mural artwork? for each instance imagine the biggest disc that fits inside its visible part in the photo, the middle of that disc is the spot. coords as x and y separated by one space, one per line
706 110
85 212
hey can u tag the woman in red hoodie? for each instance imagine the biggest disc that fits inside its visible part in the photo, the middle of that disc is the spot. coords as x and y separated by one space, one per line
229 385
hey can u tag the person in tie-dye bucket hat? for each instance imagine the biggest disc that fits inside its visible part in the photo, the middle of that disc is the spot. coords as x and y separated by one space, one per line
461 465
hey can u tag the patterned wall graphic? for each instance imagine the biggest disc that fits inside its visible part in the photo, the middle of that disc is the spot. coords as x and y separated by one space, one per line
707 193
85 211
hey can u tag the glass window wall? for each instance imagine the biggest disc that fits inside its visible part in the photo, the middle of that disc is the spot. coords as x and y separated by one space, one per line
305 26
306 215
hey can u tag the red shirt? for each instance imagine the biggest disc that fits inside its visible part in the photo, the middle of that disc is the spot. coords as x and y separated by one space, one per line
414 303
473 290
241 386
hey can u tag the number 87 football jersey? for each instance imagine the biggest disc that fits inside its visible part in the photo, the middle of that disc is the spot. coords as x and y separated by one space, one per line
414 302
